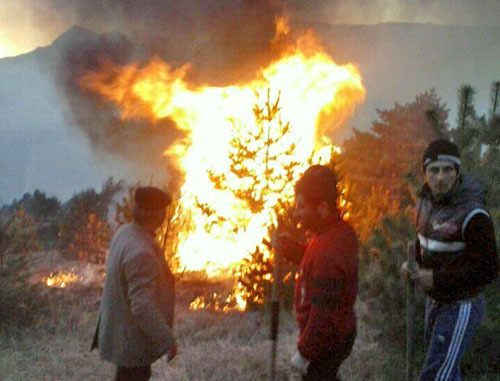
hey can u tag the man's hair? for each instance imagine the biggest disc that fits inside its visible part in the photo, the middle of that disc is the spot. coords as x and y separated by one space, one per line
443 150
318 184
151 198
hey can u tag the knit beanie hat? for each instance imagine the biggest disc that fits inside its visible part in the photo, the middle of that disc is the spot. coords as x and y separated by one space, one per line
151 198
444 150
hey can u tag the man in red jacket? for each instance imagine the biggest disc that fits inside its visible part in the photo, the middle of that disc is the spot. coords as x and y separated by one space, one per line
327 283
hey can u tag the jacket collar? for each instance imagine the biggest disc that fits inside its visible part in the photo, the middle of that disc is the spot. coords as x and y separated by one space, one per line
466 189
334 219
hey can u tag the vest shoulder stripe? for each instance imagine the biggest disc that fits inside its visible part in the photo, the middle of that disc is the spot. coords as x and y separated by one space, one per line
434 245
471 214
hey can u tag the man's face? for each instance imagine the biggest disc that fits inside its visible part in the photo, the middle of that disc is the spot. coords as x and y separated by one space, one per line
440 176
156 219
306 213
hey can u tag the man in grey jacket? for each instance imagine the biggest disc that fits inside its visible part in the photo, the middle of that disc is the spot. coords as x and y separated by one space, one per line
137 308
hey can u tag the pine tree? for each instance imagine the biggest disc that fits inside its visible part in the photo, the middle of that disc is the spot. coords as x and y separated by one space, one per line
378 162
262 174
75 218
21 239
253 150
267 148
91 243
489 166
84 228
467 134
495 98
478 139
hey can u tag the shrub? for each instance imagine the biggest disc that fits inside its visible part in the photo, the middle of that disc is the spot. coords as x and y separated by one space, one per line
382 289
19 297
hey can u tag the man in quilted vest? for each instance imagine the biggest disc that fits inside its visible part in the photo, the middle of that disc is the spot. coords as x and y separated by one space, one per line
137 308
456 258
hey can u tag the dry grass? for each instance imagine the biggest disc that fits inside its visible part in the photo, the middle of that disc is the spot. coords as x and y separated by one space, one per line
212 346
56 347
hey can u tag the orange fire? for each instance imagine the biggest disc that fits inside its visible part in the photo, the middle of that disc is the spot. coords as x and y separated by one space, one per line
215 302
315 95
61 279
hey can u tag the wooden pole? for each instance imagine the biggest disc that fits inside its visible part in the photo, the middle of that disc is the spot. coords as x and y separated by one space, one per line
410 309
275 314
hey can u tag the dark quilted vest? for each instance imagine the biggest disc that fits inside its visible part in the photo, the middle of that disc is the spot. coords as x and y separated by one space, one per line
440 227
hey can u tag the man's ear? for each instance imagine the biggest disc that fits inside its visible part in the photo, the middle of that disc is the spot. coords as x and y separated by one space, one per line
323 209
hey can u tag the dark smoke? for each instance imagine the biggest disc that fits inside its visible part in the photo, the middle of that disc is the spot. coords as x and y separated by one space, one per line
139 141
225 41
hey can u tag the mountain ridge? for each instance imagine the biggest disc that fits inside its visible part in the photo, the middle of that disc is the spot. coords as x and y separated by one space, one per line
397 61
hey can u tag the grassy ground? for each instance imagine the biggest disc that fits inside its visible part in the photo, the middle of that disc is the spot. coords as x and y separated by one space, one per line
212 346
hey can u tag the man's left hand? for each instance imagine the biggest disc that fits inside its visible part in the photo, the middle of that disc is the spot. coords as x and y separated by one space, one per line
299 362
423 277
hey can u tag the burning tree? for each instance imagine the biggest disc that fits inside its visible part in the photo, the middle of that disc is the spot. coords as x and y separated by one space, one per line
261 173
262 163
237 163
176 222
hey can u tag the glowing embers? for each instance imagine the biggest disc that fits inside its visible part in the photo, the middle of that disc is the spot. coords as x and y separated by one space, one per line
216 302
62 279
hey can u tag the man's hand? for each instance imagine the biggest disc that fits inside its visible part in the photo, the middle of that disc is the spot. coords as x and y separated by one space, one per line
286 246
421 276
172 353
299 362
280 241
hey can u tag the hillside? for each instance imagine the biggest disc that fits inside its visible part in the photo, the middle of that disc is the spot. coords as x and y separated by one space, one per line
41 148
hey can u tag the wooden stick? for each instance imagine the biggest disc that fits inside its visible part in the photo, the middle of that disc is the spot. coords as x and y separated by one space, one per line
410 309
275 309
275 314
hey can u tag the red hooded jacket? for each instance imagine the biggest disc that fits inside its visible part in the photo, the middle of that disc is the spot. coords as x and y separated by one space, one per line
326 289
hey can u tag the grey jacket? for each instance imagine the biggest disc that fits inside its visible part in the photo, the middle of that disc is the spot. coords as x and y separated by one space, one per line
137 307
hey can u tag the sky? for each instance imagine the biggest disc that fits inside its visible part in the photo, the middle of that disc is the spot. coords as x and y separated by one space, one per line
27 24
214 35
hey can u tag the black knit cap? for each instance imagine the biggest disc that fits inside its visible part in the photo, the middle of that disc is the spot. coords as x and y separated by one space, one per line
441 149
318 183
151 198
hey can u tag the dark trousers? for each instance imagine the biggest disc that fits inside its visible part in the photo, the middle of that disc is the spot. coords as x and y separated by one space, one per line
449 328
326 367
136 373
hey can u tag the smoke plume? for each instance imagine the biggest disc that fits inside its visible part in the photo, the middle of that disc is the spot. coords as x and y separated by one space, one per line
225 42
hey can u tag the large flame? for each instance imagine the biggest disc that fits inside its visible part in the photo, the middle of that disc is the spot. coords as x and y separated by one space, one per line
314 93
